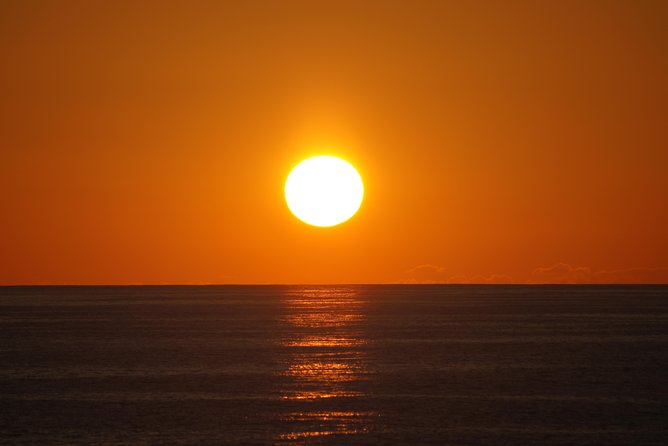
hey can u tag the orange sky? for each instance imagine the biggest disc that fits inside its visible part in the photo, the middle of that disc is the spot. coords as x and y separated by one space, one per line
148 142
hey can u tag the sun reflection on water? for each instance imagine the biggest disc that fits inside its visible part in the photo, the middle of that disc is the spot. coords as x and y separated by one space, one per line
326 368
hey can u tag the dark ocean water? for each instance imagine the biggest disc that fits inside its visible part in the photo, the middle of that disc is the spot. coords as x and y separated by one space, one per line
453 365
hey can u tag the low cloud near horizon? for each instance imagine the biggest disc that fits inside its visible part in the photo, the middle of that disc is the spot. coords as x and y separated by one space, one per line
560 273
565 273
428 273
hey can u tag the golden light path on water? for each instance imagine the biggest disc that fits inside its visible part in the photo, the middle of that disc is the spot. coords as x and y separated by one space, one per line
326 368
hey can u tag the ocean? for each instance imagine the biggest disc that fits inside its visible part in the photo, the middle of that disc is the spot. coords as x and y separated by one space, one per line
361 364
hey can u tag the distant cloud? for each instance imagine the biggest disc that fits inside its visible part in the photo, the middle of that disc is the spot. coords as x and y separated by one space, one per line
425 273
634 275
560 273
493 278
426 269
480 279
428 273
567 274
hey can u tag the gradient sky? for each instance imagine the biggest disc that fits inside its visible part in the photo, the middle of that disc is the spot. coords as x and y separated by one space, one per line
149 142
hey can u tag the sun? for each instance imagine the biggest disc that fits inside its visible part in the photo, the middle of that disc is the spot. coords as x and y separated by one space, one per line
324 191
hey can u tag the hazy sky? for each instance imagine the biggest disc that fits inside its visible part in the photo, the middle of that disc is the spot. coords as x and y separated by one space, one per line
149 142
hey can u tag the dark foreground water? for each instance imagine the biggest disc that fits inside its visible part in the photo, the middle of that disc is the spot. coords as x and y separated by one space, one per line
469 365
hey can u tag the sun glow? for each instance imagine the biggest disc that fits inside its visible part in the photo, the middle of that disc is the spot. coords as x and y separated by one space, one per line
324 191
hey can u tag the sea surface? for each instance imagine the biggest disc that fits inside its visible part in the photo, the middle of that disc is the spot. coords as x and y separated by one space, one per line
397 364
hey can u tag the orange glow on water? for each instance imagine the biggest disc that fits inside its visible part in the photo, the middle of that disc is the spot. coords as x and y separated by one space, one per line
326 359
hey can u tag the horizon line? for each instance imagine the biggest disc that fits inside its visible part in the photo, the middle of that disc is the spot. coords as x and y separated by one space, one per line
326 284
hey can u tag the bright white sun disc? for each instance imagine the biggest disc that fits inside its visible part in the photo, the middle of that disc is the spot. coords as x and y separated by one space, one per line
324 191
